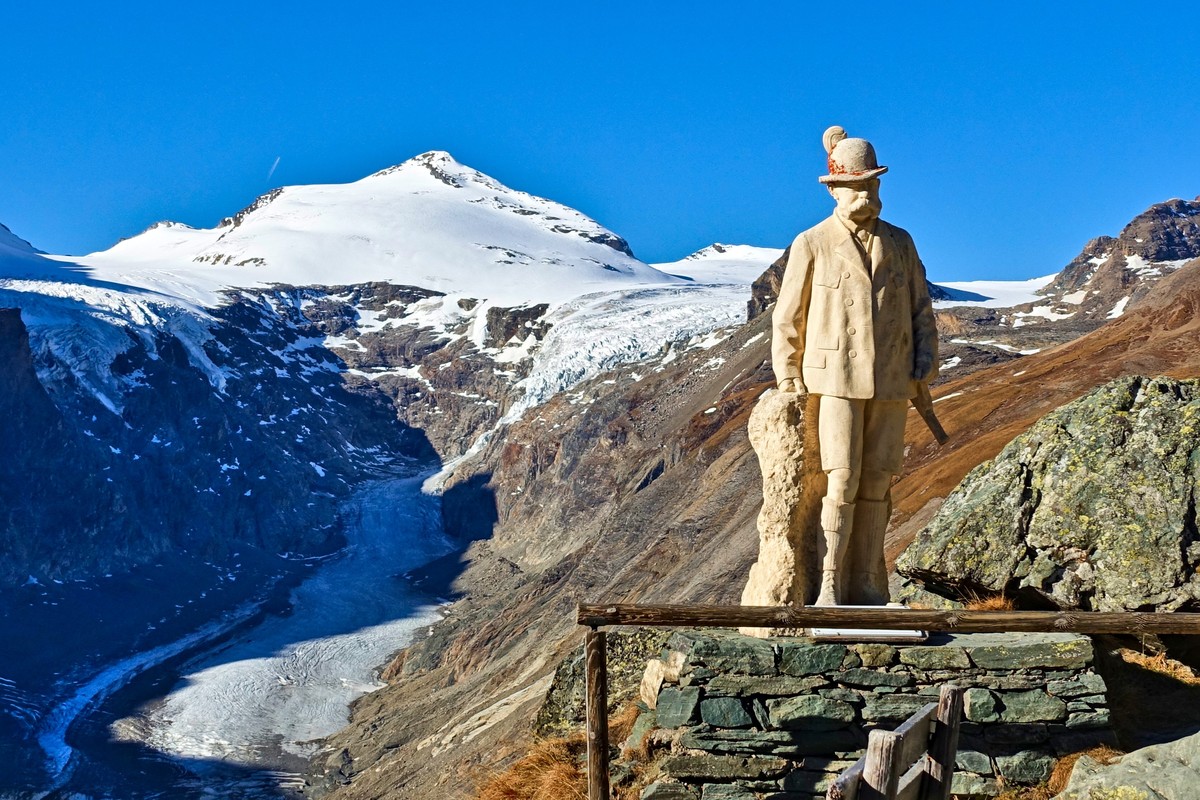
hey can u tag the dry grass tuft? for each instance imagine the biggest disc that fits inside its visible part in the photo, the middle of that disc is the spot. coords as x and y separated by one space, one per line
554 768
1162 665
551 771
993 602
620 724
1062 770
1039 792
1059 777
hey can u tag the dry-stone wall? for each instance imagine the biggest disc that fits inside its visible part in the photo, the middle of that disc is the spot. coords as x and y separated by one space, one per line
744 718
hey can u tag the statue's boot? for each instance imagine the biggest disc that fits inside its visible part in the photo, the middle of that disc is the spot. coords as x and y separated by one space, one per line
868 570
837 520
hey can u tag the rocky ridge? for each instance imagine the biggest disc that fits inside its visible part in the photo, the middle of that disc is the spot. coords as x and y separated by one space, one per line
1109 277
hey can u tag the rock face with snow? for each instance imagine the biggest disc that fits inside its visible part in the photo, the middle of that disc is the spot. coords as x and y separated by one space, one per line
253 448
1107 279
1158 241
1110 273
291 351
33 514
1091 508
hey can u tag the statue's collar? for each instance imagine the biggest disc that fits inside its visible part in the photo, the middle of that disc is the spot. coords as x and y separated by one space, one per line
861 232
869 254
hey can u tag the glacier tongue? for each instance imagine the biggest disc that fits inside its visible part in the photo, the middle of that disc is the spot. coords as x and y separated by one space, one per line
291 679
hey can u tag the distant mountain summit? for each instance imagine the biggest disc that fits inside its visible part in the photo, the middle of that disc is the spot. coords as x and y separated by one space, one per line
10 243
1110 277
723 263
429 222
1164 233
1112 272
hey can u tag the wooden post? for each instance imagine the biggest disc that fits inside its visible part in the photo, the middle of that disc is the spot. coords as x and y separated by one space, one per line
596 667
939 772
880 774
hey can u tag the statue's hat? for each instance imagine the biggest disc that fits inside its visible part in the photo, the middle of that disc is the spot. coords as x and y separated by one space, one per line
850 160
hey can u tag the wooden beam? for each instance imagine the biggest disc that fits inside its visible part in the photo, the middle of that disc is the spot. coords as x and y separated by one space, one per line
884 618
911 783
596 703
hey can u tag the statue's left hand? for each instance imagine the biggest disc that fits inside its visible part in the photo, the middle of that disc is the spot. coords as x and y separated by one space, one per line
923 367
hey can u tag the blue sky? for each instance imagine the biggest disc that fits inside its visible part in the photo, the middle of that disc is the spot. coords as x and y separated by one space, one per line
1014 132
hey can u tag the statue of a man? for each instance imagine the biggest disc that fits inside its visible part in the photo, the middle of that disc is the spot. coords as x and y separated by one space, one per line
854 324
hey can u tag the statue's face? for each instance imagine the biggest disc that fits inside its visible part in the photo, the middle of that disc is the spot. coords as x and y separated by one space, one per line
858 201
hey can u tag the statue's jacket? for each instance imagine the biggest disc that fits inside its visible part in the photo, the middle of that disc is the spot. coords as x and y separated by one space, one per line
848 331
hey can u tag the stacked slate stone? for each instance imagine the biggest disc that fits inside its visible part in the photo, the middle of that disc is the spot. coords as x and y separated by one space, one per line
745 718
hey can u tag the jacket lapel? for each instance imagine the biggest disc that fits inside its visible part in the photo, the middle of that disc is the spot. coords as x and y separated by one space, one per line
882 247
845 248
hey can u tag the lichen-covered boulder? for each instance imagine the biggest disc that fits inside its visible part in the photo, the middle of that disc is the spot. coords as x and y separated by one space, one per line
1168 771
1094 507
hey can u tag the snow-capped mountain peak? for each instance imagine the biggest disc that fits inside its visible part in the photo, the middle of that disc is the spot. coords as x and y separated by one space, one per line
429 222
440 165
724 263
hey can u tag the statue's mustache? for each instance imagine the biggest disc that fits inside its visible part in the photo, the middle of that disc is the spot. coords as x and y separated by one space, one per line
862 204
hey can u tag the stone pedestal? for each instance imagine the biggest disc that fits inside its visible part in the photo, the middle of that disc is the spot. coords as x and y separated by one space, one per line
781 718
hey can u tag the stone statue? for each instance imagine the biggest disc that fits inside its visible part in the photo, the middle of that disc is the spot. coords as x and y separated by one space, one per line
854 325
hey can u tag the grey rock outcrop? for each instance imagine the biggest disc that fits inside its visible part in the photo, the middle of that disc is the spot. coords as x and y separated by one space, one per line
1168 771
1094 507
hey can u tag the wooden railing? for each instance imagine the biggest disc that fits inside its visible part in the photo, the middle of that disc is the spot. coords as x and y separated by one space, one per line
596 616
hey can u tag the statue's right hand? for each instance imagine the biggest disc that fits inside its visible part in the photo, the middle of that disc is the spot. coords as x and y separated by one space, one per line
791 385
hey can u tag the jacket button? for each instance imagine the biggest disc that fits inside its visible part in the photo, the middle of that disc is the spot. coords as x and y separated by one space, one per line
846 274
851 331
854 354
849 301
